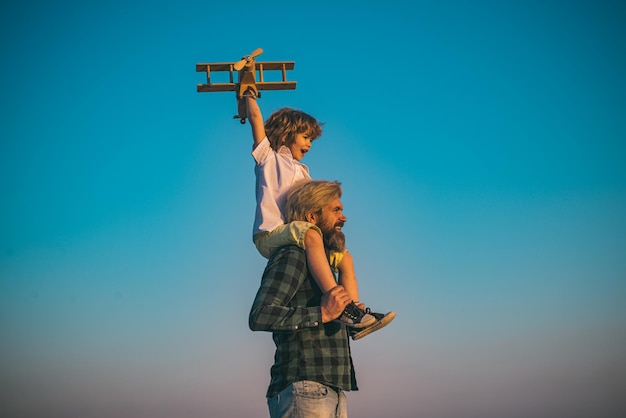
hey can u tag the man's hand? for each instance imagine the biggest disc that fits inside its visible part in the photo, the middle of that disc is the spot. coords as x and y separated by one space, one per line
333 303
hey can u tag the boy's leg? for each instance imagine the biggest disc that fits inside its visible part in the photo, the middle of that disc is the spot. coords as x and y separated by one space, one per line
317 261
347 276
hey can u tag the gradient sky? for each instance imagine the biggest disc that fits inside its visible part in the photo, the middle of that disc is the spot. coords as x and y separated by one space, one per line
482 149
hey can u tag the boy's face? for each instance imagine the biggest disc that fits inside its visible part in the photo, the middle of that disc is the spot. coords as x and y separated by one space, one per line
301 145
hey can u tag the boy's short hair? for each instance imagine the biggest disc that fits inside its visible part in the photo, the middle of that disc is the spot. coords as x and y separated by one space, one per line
284 124
310 196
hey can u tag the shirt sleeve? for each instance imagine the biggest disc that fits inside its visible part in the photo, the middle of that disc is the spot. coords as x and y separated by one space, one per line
273 309
262 150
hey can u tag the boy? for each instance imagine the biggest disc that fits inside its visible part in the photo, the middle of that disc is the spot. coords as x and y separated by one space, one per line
279 145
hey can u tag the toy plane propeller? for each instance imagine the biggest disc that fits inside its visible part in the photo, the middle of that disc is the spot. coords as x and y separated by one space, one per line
247 83
246 59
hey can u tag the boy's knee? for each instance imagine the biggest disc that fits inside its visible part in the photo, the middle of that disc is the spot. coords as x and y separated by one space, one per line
303 232
312 237
314 231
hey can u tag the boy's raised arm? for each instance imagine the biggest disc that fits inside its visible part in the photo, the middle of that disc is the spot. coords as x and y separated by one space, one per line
256 120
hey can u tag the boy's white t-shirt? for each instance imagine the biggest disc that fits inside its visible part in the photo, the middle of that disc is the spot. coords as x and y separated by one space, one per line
275 173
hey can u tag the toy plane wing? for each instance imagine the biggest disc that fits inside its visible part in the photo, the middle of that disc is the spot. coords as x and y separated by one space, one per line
261 67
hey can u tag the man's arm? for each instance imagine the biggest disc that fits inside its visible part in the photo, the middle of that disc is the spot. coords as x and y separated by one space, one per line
282 278
255 118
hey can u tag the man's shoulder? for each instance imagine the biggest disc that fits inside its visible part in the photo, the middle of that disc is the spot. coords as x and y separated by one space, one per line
289 251
287 261
291 255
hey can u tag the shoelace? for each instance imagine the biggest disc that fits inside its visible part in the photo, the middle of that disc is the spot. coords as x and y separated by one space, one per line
354 312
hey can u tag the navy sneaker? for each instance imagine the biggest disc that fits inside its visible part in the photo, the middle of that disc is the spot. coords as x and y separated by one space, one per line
355 317
382 320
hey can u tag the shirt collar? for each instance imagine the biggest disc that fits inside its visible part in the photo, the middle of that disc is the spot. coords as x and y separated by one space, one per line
284 150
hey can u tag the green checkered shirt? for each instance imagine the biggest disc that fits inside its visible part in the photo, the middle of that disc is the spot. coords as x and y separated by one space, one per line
288 305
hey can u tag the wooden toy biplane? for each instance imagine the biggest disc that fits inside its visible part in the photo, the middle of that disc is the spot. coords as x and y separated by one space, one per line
247 69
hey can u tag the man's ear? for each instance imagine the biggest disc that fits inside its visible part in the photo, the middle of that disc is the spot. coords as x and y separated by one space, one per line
311 218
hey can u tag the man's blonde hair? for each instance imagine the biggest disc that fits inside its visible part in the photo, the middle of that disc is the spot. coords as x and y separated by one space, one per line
310 196
284 124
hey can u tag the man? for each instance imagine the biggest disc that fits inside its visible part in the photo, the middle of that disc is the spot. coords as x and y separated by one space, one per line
312 365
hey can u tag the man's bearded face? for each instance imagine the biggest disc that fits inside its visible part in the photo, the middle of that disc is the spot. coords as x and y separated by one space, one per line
334 239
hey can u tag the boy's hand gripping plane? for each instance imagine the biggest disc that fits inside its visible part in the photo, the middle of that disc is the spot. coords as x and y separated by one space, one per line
246 83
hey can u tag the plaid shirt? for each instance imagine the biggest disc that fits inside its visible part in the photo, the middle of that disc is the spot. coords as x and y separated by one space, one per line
288 304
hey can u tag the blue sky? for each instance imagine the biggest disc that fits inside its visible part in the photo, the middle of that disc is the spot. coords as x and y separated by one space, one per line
481 146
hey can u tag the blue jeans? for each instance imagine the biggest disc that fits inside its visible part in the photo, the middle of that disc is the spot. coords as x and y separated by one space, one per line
307 399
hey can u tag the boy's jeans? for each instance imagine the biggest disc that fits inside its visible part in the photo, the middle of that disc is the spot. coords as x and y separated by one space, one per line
308 399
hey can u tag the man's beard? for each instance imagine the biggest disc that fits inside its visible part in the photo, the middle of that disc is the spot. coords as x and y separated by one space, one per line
334 240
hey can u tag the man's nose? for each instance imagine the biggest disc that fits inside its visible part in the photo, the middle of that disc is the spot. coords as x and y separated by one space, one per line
343 218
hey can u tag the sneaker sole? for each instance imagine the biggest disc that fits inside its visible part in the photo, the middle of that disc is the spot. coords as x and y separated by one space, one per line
384 321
